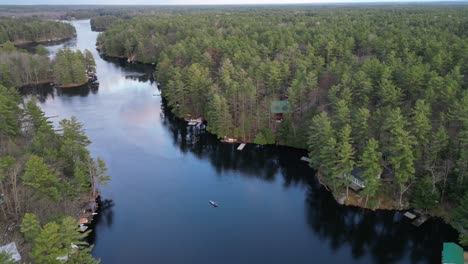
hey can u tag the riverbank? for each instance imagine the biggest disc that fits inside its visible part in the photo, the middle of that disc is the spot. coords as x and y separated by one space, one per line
73 85
52 41
11 228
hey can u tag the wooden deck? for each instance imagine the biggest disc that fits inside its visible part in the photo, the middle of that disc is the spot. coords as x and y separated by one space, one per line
420 220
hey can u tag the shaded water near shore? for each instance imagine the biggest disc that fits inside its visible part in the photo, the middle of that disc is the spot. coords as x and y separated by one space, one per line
271 209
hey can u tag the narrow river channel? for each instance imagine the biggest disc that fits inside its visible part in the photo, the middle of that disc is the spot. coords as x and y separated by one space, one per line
271 209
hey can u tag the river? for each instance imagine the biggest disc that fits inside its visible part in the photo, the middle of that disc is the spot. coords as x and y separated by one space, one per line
271 208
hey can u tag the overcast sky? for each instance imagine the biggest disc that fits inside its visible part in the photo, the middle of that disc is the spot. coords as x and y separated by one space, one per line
184 2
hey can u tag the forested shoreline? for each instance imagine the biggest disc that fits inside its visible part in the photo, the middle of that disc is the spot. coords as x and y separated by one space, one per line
46 174
383 90
27 30
19 68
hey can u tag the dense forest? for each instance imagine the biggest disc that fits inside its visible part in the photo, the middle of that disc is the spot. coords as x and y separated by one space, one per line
22 68
73 68
383 90
101 23
19 67
46 174
32 30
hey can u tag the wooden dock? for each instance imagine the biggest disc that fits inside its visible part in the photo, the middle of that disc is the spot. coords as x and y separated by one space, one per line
306 159
420 220
241 146
410 215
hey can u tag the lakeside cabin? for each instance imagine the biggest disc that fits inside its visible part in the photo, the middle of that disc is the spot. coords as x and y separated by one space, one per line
356 182
453 254
194 122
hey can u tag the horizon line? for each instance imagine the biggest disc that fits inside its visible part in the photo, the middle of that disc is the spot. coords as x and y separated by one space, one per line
264 4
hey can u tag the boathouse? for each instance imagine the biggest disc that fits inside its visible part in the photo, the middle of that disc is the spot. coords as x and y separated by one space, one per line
356 182
452 254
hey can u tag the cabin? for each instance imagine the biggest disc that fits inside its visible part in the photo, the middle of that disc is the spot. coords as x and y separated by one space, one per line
229 140
10 249
195 122
452 254
356 182
88 210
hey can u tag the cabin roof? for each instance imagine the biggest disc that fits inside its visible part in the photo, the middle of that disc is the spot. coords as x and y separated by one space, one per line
452 253
11 250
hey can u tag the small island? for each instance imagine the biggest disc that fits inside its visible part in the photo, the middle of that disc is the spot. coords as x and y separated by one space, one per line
73 68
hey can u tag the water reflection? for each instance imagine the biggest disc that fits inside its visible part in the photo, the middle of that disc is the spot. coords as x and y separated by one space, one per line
382 236
103 219
43 92
272 208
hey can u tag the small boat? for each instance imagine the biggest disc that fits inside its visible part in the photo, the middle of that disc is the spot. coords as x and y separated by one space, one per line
213 203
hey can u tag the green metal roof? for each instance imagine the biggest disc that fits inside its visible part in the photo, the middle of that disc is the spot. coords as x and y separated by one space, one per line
452 254
279 107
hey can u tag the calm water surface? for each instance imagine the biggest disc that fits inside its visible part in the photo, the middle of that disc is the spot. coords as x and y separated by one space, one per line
271 208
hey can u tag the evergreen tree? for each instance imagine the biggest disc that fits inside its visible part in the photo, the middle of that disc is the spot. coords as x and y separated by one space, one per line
345 157
30 227
39 176
424 198
47 246
369 162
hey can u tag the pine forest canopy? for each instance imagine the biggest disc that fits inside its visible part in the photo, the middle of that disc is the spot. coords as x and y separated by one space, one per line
382 89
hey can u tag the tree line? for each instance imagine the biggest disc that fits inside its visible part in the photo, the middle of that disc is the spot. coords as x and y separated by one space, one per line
25 30
101 23
379 89
68 68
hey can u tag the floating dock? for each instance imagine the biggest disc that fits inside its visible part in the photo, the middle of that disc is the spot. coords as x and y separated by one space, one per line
241 146
306 159
410 215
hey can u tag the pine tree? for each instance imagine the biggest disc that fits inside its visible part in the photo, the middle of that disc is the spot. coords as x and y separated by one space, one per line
47 246
9 111
320 132
90 63
424 197
360 127
38 176
30 227
345 157
369 162
402 160
342 114
421 126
